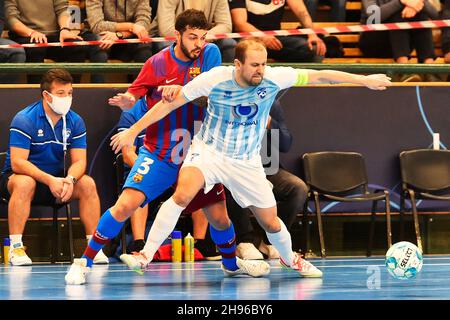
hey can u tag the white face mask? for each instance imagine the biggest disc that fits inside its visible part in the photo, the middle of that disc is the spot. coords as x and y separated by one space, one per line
61 105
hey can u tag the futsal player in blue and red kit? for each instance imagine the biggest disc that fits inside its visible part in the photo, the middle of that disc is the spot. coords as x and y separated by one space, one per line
159 160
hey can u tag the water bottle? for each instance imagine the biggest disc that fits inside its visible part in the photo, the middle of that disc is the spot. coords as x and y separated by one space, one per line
6 244
176 246
189 248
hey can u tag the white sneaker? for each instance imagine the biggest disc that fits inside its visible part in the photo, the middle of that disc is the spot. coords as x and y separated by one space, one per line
248 267
137 261
101 258
269 250
18 257
303 267
77 272
247 251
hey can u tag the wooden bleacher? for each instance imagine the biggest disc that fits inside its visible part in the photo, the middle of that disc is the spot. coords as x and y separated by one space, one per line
352 54
350 41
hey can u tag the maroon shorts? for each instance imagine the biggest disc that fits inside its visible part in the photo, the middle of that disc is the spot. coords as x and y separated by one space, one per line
202 200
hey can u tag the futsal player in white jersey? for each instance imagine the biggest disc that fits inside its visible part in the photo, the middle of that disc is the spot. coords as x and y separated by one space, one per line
226 149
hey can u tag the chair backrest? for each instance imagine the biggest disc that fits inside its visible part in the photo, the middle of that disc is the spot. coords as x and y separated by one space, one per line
119 166
425 169
2 163
335 172
2 159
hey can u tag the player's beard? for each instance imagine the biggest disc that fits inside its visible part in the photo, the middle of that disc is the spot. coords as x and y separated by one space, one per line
253 82
191 55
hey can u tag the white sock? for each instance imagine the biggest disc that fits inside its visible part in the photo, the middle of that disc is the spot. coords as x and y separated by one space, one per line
281 240
165 222
88 237
16 239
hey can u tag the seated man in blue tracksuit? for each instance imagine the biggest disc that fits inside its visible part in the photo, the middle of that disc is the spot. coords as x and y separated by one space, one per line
34 170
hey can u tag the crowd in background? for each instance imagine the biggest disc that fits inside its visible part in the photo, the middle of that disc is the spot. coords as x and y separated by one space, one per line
43 21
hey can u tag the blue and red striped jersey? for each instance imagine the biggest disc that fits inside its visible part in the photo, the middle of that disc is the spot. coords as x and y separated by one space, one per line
165 69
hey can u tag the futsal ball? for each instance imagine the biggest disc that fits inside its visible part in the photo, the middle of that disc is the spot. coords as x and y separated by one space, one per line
404 260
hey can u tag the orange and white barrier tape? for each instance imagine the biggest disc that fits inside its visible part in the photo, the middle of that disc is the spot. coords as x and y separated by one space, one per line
327 30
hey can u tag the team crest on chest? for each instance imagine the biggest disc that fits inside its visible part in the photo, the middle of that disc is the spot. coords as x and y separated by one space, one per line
261 92
194 71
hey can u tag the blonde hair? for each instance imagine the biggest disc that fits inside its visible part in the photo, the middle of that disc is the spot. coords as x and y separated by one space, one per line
248 44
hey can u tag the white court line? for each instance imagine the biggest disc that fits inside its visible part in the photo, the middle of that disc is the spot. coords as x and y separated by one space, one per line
367 259
356 266
121 268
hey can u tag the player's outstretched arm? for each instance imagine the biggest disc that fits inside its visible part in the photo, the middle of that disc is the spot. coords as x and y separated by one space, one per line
156 113
373 81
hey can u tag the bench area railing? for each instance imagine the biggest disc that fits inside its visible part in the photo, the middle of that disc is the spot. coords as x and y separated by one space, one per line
388 68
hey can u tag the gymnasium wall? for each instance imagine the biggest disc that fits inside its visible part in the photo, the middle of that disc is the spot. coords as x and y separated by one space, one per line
378 124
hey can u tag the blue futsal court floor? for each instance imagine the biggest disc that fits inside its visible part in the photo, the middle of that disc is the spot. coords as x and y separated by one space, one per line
344 279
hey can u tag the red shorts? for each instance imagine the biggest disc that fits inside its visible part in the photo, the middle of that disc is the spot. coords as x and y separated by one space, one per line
202 200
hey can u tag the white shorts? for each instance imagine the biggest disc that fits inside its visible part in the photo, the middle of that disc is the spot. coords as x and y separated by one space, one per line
245 179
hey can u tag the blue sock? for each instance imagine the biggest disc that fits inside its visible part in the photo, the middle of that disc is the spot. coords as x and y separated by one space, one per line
107 229
226 243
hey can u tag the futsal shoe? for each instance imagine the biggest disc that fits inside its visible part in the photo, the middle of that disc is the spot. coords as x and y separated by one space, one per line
77 272
18 257
303 267
101 258
136 261
269 250
248 267
247 251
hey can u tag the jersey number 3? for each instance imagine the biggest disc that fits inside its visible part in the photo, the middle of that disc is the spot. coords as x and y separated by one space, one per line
145 166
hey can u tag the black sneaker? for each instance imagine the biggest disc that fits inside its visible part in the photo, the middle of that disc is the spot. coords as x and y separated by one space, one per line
208 250
136 246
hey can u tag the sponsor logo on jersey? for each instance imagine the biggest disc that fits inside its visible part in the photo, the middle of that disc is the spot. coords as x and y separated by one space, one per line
245 111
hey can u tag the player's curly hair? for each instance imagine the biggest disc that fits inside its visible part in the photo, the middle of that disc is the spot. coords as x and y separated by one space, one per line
191 18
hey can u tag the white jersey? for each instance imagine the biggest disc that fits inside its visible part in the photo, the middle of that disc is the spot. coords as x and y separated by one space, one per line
237 117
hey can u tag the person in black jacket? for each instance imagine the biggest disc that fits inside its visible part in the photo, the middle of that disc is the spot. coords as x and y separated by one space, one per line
446 33
398 44
289 190
12 55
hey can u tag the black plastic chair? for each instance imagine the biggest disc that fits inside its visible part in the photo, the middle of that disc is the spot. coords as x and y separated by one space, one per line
341 176
120 180
425 175
55 243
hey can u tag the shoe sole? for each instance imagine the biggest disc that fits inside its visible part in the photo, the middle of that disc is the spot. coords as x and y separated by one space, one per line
74 284
217 258
301 275
21 264
138 270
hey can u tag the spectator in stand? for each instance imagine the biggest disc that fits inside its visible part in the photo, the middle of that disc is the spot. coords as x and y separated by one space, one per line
42 21
262 15
398 43
79 22
112 20
13 55
446 34
217 12
338 9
